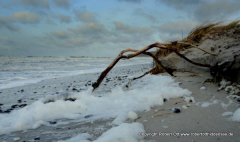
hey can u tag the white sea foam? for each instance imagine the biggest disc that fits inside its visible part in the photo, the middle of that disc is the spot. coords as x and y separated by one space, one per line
236 115
227 113
145 93
122 133
132 115
206 104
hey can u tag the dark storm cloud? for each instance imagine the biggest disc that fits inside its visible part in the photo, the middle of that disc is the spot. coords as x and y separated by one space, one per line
62 3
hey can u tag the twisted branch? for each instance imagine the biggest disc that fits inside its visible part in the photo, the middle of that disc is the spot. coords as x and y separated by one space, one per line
143 51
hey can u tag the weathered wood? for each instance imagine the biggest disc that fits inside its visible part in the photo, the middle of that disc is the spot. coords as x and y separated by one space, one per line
182 56
143 51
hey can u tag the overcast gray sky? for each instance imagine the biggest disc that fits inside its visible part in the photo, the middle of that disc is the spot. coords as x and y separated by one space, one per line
101 27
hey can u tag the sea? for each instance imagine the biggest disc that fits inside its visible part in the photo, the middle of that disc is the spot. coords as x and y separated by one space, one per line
21 70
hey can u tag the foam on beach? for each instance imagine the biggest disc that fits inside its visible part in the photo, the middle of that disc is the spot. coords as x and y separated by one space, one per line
236 115
119 104
122 133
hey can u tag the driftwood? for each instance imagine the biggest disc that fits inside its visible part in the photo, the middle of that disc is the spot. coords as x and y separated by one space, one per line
143 51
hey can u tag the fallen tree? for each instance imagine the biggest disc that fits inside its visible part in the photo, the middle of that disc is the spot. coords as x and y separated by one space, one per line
219 66
144 51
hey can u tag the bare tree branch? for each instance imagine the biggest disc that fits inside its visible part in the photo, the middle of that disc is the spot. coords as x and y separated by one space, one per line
143 51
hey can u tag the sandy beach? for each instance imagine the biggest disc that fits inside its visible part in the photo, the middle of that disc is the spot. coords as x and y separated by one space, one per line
204 114
62 87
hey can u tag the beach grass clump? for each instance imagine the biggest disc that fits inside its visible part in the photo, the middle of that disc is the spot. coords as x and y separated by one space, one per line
197 36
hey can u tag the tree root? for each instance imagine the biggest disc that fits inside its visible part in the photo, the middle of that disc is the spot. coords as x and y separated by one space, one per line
143 51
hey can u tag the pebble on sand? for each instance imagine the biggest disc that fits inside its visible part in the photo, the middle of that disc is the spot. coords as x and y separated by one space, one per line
176 110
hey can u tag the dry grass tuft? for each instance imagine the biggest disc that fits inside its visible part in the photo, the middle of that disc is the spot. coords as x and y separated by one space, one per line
196 36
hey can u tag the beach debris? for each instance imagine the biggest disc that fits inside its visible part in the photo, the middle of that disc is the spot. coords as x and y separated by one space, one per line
19 101
70 99
22 105
53 122
165 100
132 115
14 106
176 110
1 104
8 110
88 116
36 139
74 89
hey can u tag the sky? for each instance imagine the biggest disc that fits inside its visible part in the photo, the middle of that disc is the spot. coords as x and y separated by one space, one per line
101 28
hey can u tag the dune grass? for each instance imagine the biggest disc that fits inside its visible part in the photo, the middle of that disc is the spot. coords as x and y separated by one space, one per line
196 36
